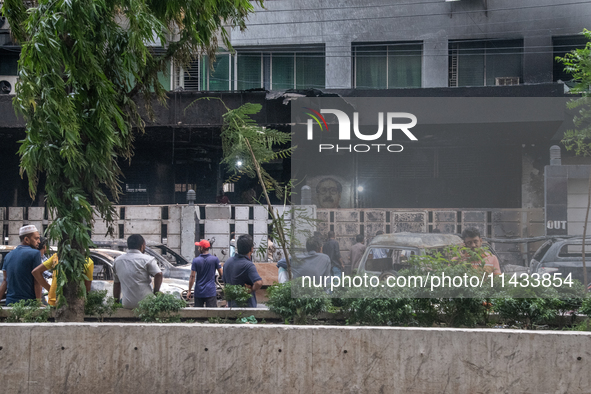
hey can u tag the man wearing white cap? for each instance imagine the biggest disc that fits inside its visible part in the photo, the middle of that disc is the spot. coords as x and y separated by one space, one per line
19 283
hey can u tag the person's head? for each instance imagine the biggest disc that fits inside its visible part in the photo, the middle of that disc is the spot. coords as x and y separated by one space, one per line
329 192
244 244
136 242
29 236
232 235
471 237
204 246
359 238
42 245
331 235
380 232
313 244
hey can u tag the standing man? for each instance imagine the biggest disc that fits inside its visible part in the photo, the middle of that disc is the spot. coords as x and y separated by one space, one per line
356 252
313 263
332 250
240 270
203 268
473 241
19 283
132 273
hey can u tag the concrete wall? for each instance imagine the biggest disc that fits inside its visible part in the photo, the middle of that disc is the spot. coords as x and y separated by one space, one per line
203 358
181 224
338 23
493 223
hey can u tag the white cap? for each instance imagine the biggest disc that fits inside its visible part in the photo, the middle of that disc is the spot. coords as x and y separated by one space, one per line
27 230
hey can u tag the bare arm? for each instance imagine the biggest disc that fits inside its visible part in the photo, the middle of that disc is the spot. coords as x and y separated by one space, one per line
191 282
256 285
117 290
38 291
87 283
38 275
3 285
220 272
157 282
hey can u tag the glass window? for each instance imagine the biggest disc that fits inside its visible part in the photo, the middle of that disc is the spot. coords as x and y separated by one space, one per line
388 66
486 63
282 73
8 63
217 79
310 70
249 71
371 67
404 66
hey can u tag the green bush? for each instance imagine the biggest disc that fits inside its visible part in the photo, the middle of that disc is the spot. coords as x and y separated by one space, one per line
239 294
160 308
99 304
526 307
28 311
300 309
586 307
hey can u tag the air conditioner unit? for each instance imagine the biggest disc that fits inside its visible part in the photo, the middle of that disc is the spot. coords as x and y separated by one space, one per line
8 84
503 81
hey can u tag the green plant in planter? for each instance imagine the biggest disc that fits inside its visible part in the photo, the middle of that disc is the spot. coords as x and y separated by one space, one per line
297 309
28 311
160 308
239 294
99 304
526 306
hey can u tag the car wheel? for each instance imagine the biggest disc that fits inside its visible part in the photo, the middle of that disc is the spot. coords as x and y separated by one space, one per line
388 274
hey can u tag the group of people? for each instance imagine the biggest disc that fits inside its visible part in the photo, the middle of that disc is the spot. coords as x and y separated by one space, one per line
323 259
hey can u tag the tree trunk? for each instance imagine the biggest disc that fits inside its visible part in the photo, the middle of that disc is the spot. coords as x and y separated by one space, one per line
585 279
275 220
73 311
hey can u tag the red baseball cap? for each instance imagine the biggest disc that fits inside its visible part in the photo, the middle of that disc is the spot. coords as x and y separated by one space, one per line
203 243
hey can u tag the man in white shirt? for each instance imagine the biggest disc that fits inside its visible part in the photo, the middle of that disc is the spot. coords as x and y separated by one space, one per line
133 273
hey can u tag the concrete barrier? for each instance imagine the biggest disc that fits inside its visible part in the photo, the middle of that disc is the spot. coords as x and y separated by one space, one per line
202 358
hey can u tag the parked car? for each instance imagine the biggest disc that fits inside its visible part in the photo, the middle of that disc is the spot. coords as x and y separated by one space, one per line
387 254
562 256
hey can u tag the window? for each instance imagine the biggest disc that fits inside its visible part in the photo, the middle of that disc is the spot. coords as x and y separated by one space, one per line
218 78
485 63
280 69
562 45
8 62
387 66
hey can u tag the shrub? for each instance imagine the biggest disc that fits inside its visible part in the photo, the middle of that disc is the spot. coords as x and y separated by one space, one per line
160 308
28 311
526 306
99 304
586 307
300 309
239 294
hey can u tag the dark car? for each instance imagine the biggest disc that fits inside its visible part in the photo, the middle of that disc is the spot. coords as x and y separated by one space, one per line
562 256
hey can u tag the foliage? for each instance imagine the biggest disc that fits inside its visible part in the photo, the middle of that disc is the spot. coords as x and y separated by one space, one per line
160 308
28 311
297 309
247 320
241 135
582 326
239 294
99 304
81 66
586 307
526 306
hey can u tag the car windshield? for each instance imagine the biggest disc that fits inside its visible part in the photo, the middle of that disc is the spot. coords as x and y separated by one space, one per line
382 259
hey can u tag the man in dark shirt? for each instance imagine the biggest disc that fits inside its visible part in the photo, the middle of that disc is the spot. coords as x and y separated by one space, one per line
240 270
313 263
203 269
332 250
19 282
356 253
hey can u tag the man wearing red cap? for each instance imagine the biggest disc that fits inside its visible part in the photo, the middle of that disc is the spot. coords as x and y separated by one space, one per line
203 269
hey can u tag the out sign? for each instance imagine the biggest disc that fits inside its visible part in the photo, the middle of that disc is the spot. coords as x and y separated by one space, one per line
556 224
